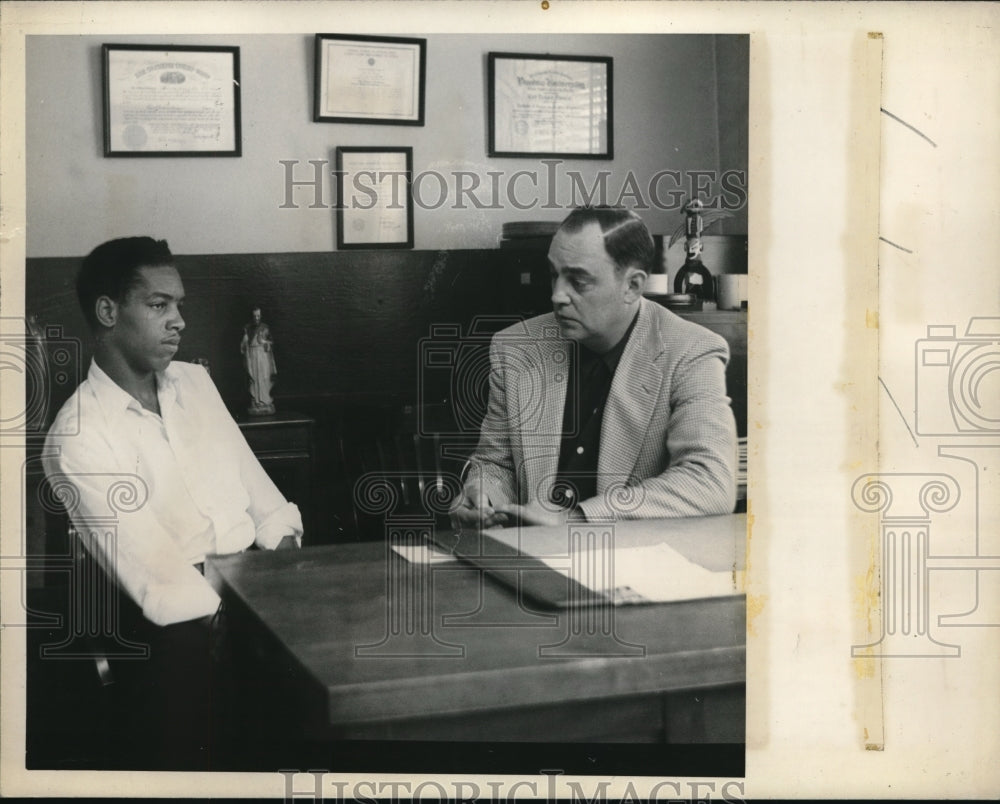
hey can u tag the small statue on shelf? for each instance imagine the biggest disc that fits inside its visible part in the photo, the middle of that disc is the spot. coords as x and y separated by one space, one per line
257 348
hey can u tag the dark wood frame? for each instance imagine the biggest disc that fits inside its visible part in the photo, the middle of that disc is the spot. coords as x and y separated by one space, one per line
341 177
319 117
108 49
492 149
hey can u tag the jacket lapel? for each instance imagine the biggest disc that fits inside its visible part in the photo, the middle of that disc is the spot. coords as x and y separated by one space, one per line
541 389
635 392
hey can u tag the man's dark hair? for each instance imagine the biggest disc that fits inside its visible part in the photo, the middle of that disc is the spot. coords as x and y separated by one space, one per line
111 270
626 238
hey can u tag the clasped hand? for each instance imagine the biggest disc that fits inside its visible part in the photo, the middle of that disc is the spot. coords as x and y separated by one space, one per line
475 510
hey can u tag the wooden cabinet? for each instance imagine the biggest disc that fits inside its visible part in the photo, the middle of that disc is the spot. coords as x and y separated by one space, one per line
284 445
731 325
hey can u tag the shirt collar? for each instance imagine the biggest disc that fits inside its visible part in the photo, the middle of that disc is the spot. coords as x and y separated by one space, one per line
115 400
612 357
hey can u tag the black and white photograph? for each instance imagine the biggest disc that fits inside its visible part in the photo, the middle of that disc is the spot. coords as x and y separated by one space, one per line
467 478
495 400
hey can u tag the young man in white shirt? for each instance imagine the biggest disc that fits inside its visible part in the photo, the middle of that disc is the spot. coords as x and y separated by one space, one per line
158 430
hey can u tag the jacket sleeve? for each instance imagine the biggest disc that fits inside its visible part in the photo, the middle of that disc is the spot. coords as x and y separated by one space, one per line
700 478
492 464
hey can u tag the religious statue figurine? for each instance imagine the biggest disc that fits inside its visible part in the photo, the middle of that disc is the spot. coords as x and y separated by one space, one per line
258 357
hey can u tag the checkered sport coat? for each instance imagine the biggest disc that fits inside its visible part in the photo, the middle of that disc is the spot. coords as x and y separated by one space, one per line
668 437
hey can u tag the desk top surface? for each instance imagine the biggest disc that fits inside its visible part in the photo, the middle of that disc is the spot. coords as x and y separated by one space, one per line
244 419
368 637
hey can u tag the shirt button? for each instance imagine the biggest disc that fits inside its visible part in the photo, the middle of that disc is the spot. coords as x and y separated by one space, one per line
579 450
568 494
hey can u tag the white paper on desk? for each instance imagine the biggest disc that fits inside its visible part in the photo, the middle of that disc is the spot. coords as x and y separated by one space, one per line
653 574
422 554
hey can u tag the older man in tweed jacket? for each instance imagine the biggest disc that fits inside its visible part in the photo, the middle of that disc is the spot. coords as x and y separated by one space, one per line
610 406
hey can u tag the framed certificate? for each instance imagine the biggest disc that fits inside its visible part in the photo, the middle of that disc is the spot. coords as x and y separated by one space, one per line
374 200
368 79
550 106
171 100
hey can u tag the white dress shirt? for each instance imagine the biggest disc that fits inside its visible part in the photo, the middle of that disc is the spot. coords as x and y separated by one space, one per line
153 495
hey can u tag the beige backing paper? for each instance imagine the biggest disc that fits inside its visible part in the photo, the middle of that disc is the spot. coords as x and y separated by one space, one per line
874 201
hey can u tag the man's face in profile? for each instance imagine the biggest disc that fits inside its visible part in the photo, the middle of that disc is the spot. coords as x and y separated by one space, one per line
149 323
588 294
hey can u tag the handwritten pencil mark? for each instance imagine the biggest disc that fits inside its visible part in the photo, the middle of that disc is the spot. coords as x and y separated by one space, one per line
914 129
901 416
896 245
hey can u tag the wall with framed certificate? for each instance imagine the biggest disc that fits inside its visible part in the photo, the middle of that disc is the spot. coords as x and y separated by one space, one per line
542 105
374 208
369 79
651 144
171 100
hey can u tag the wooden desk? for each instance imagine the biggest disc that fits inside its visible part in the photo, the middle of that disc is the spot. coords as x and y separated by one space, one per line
347 662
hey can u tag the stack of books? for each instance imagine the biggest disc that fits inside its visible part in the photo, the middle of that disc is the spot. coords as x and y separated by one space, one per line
528 234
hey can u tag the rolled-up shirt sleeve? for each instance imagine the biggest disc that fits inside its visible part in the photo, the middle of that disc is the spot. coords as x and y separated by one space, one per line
273 516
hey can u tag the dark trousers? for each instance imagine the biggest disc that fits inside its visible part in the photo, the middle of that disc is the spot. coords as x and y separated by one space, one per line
165 706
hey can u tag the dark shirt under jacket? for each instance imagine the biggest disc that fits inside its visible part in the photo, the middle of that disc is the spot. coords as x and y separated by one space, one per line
587 389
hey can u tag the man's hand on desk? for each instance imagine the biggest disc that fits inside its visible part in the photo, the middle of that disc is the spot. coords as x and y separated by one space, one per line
474 510
534 513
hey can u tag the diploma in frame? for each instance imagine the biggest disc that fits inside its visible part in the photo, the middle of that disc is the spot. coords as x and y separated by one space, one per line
550 106
374 203
368 79
171 100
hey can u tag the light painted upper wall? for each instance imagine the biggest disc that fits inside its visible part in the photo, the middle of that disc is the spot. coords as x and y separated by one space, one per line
666 118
